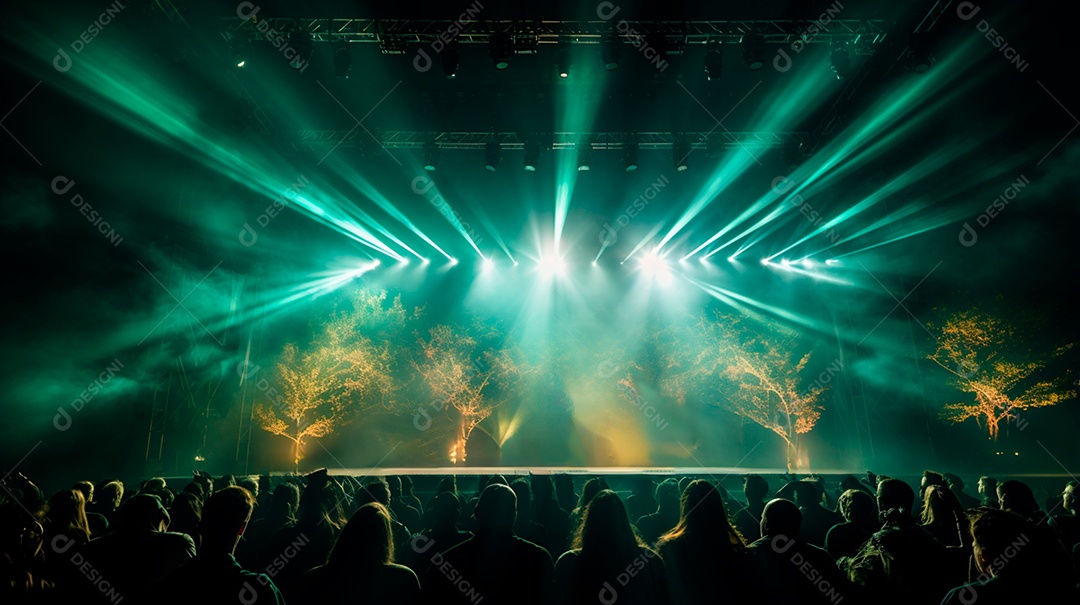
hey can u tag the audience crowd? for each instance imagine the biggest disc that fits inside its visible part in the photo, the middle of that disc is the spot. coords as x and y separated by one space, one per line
321 539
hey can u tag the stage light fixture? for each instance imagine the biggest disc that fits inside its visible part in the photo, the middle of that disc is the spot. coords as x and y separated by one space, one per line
832 262
451 59
301 43
453 261
562 62
501 46
425 261
492 154
629 157
532 156
488 264
342 60
714 63
610 49
806 262
680 150
431 156
840 60
754 51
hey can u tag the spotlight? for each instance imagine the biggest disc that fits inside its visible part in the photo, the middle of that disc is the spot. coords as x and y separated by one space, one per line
425 261
562 62
754 51
610 48
515 263
431 156
714 63
584 157
656 267
451 59
342 60
840 60
806 262
920 55
832 261
491 156
301 43
629 157
241 50
488 264
594 263
501 47
532 156
453 261
680 149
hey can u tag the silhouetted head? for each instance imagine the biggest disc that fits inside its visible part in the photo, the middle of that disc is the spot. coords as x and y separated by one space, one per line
940 505
857 506
807 493
144 512
755 488
447 484
1069 498
406 485
543 488
225 516
667 494
496 510
376 491
703 516
67 511
955 483
443 512
894 494
1016 497
111 493
524 498
930 478
606 528
284 501
366 540
87 489
1003 540
988 486
394 483
251 484
780 518
592 487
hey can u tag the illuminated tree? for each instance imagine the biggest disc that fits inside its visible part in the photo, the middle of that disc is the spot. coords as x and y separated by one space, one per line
748 370
985 358
345 371
468 380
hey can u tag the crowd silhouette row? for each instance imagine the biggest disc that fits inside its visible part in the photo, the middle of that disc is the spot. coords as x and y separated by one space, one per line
322 539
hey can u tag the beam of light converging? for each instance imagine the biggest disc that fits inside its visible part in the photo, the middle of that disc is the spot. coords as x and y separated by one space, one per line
787 106
161 112
845 151
641 244
934 162
769 218
577 102
327 282
421 185
752 307
485 220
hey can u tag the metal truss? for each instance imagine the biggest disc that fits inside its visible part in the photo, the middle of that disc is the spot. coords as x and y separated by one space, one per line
409 139
393 35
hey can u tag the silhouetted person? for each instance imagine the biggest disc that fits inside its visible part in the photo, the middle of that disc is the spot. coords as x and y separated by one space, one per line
107 499
399 509
140 553
547 512
524 526
666 515
185 512
1067 524
704 555
214 576
748 519
902 562
379 491
988 492
588 492
494 565
279 514
1015 564
294 550
943 516
361 568
789 570
641 501
609 562
816 519
440 532
564 493
860 522
407 495
956 484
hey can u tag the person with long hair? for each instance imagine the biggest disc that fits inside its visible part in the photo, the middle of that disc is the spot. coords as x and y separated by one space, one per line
361 566
704 555
66 514
588 492
942 515
609 560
